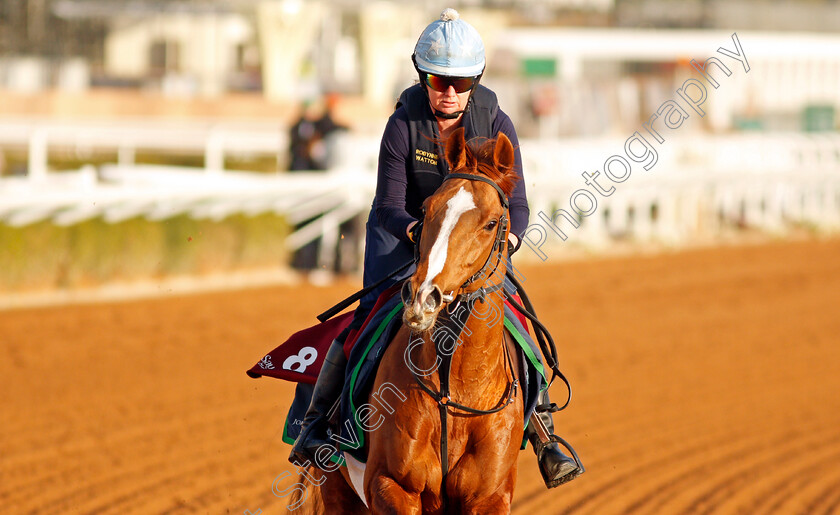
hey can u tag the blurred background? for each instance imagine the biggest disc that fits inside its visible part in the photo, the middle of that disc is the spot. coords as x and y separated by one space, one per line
153 148
149 139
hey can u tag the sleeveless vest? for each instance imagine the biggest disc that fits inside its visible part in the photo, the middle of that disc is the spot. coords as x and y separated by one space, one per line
426 164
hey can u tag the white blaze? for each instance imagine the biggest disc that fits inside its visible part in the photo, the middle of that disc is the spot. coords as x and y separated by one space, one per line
455 207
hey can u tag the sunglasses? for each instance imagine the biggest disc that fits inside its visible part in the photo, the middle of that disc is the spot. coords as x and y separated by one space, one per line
442 83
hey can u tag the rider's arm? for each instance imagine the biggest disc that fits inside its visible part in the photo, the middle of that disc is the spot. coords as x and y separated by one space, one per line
519 211
391 180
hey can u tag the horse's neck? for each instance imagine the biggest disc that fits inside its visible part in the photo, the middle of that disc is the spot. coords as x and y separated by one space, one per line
478 363
482 345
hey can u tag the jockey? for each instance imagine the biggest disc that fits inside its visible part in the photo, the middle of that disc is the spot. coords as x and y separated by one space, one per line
449 59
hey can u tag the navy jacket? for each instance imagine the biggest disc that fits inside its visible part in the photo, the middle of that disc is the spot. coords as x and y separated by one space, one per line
397 202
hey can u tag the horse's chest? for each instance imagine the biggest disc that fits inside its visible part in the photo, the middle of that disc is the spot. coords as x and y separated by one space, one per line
474 445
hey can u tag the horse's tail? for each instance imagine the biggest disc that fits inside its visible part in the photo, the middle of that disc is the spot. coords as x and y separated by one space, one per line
308 501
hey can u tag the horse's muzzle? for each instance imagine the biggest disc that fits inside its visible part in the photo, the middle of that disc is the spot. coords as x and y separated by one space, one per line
421 308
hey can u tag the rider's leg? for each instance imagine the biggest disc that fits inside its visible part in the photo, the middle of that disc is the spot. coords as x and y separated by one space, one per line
313 432
556 468
383 254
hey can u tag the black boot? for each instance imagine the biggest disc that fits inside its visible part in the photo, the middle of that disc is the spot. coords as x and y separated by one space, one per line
313 432
556 468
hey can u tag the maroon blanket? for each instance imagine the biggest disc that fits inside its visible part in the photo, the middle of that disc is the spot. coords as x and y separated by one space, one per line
299 358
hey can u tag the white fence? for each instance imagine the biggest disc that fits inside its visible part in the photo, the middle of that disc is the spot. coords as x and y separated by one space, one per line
210 139
699 185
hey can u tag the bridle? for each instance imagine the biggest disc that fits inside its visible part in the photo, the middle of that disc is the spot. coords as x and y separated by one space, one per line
497 249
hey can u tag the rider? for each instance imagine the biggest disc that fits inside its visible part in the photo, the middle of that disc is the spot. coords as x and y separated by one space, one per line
449 58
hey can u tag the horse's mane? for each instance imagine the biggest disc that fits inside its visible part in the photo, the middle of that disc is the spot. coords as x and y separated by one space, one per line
479 155
481 150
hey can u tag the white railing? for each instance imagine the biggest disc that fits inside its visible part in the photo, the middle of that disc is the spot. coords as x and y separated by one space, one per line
700 186
211 139
117 192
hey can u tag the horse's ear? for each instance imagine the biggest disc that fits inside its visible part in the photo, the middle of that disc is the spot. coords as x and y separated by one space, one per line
503 154
456 150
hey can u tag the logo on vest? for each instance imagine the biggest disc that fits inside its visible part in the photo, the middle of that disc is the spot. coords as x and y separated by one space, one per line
425 157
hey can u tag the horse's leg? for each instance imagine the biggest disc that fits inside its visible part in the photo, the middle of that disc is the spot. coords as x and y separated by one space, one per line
387 497
401 449
489 505
498 502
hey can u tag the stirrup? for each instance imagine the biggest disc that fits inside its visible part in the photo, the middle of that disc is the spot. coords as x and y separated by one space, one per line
540 448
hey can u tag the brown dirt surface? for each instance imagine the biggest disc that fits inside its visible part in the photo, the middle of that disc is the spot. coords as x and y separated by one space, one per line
705 382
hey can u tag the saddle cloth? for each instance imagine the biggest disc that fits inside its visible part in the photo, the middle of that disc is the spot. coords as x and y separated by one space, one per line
300 358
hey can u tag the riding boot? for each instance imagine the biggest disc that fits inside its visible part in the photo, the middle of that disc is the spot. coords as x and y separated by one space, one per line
556 468
313 432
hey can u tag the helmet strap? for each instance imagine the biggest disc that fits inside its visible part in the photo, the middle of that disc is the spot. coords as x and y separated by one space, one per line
456 114
449 116
439 114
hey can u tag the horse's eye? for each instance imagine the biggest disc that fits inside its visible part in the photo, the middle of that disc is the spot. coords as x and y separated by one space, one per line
491 225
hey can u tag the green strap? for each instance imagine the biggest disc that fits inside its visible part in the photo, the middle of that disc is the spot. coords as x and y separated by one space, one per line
527 350
373 339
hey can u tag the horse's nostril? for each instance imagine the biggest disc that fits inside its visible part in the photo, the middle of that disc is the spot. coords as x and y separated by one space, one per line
433 300
405 293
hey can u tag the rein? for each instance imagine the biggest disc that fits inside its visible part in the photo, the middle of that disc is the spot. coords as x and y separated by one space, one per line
444 401
546 342
341 306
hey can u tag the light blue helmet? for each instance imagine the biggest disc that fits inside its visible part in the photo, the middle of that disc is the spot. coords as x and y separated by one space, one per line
450 46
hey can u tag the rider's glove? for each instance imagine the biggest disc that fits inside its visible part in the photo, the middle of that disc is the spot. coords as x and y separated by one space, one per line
511 246
414 233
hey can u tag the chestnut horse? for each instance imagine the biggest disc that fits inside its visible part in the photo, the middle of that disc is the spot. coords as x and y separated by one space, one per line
451 446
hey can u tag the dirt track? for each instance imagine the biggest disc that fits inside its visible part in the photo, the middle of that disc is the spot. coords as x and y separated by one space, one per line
705 382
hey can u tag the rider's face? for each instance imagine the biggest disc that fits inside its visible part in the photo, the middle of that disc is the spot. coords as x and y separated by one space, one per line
448 101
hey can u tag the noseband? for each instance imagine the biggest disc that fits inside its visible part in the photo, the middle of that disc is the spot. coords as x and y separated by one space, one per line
498 245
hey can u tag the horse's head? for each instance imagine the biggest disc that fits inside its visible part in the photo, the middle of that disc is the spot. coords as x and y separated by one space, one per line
464 228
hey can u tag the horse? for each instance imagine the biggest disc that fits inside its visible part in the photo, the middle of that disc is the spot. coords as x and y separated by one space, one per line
452 444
